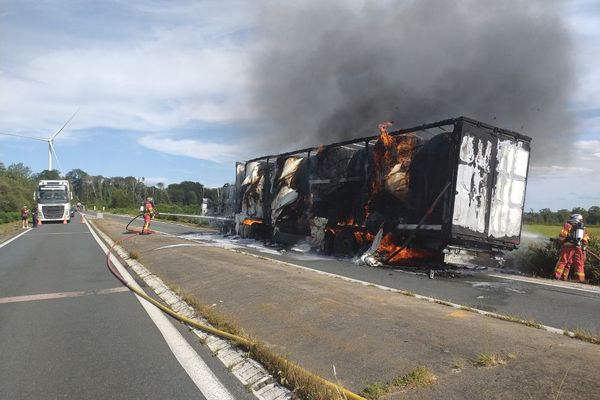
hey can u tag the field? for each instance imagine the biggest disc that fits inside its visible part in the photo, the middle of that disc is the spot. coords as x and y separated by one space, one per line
553 230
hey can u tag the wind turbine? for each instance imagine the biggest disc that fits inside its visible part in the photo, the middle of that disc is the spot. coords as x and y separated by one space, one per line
49 140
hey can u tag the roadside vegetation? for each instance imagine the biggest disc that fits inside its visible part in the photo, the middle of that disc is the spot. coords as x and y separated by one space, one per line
488 360
585 336
121 195
17 184
8 228
552 231
539 259
419 377
557 218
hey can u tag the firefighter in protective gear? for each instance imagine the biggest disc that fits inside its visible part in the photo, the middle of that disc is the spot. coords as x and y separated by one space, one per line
149 213
575 240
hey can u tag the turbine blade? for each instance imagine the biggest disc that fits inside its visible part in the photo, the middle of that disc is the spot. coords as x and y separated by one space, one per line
23 136
63 127
55 155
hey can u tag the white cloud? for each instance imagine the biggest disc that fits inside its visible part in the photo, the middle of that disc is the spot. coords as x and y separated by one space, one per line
152 181
172 76
198 149
582 21
588 150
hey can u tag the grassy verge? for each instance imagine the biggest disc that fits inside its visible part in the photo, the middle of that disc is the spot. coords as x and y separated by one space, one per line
585 336
9 228
554 230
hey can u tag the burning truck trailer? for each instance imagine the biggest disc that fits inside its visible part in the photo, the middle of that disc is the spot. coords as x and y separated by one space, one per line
449 193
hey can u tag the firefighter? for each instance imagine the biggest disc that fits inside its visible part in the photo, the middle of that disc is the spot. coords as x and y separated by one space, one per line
575 239
149 213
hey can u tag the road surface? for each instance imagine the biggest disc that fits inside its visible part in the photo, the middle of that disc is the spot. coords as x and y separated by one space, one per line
69 330
547 302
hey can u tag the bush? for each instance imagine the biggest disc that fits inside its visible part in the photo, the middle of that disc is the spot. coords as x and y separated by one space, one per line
9 216
540 260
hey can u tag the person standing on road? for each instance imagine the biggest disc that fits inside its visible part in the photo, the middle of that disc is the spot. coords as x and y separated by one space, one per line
24 217
575 239
34 217
149 213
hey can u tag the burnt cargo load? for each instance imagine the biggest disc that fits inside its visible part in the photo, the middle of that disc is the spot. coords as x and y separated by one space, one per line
450 192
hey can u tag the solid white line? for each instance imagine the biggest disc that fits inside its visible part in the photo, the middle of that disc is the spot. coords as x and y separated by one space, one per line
196 368
171 246
14 238
61 233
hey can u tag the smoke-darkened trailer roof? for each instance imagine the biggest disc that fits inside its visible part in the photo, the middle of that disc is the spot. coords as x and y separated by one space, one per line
433 128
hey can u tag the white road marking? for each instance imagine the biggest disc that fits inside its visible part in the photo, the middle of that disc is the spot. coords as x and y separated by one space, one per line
196 368
561 285
171 246
60 233
15 238
60 295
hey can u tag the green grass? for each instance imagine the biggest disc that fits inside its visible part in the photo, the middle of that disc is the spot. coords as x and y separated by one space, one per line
586 336
9 216
9 227
554 230
419 377
488 360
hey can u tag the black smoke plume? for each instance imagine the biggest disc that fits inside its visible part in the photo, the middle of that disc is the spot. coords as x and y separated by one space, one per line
330 70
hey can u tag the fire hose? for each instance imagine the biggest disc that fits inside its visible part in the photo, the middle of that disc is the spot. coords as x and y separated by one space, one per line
596 256
135 230
130 222
586 250
247 343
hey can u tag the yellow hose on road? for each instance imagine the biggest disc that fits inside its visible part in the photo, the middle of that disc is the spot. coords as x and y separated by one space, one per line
194 324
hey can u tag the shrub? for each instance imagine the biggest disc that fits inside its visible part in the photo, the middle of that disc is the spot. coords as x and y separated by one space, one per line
540 260
9 216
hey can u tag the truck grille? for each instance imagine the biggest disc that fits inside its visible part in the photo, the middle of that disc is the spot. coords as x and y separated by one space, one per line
51 212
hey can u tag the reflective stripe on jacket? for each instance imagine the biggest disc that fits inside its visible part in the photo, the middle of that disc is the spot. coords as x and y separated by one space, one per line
566 235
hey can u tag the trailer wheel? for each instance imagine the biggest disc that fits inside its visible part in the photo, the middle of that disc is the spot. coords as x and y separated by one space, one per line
344 244
328 243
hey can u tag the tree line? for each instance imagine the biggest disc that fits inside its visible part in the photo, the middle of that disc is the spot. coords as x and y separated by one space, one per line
545 216
18 182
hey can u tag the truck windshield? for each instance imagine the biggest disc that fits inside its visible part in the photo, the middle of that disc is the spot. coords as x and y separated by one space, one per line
52 196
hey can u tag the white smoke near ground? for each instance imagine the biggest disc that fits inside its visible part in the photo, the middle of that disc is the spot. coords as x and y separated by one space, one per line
328 71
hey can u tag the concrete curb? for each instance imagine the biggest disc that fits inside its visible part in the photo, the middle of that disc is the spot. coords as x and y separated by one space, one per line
249 372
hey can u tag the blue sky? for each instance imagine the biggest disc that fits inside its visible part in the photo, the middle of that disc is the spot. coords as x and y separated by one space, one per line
163 92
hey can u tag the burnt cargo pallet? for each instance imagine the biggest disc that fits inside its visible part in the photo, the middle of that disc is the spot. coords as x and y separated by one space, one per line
339 195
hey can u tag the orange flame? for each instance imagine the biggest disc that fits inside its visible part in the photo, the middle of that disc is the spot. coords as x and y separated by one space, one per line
362 237
387 247
250 221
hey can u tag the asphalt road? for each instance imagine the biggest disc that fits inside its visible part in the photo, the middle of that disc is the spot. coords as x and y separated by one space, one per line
546 302
68 330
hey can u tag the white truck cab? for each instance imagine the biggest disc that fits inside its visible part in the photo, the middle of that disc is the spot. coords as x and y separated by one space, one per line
53 200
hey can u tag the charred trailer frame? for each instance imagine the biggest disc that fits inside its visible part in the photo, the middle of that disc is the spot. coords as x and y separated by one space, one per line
449 192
